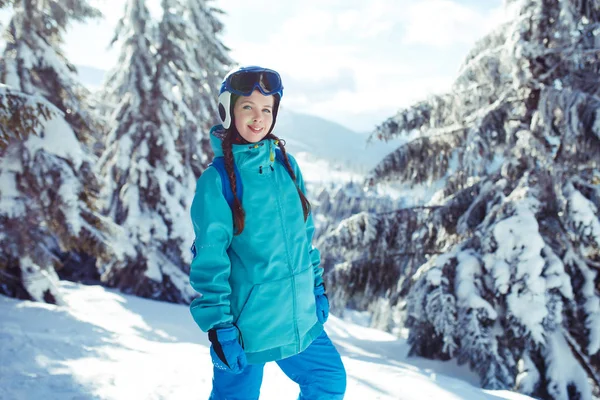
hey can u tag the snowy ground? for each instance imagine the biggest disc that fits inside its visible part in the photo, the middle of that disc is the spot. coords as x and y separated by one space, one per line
106 345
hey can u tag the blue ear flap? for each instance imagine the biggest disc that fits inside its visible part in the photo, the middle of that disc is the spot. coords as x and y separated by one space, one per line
224 109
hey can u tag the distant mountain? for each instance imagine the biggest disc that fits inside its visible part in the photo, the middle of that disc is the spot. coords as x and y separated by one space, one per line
330 141
316 136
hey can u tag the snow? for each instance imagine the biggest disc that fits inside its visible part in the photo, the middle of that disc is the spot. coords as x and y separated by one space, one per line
583 214
49 59
12 77
520 245
592 309
37 281
105 345
563 369
528 375
496 163
10 166
434 276
596 126
58 139
501 275
362 318
125 146
467 294
153 268
555 274
68 192
592 322
363 222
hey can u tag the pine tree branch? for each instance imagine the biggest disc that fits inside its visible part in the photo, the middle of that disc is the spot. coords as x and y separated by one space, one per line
589 263
583 359
413 160
592 264
432 153
372 259
493 51
22 115
472 88
416 117
409 209
9 276
415 253
568 52
413 119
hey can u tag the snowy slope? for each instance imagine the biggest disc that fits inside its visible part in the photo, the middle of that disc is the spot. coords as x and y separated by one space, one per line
106 345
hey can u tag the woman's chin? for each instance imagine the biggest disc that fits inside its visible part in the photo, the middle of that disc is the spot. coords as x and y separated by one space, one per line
253 137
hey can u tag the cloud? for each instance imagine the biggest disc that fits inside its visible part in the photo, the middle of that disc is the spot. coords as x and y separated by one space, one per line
369 19
444 22
380 91
352 61
322 87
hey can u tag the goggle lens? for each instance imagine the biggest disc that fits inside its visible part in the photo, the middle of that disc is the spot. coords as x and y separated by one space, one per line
244 82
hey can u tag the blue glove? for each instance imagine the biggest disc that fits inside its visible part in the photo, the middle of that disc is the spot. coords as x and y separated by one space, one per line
322 303
225 351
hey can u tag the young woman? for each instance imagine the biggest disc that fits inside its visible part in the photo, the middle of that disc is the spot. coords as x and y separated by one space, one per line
262 296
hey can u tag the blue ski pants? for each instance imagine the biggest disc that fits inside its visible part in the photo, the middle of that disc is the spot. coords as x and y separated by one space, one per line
318 371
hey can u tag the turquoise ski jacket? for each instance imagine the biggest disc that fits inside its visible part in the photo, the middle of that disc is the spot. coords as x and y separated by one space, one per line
263 279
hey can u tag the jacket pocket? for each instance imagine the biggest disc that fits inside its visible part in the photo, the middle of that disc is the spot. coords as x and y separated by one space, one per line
305 299
267 319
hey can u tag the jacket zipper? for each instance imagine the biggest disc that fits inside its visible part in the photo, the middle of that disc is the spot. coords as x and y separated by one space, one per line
294 305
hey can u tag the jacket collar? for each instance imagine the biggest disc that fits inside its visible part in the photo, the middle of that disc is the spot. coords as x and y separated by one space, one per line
245 155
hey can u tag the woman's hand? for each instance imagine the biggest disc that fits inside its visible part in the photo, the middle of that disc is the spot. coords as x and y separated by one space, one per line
322 303
226 352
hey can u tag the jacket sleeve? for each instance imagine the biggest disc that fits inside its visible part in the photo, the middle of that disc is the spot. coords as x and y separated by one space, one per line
211 267
315 254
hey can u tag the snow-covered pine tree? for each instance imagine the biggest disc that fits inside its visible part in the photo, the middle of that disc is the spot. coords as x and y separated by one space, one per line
47 204
153 153
336 202
517 141
211 63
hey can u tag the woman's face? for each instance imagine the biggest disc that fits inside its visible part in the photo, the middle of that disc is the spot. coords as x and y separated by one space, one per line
253 116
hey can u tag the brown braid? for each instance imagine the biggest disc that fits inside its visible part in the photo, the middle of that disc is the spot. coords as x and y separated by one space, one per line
305 203
239 215
238 211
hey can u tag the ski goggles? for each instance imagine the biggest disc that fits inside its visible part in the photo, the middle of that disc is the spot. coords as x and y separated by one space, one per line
243 83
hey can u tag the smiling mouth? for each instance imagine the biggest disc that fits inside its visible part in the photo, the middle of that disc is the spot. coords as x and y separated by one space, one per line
259 130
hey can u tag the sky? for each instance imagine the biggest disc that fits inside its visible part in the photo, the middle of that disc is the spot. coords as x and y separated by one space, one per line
354 62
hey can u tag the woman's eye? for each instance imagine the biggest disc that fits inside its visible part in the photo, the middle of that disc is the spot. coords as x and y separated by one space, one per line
247 107
267 111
